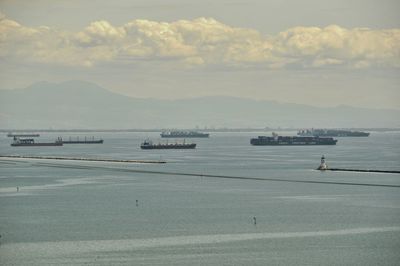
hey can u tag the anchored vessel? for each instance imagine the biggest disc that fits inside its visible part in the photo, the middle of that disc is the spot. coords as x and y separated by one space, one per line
31 142
148 145
332 133
183 134
22 135
291 140
83 141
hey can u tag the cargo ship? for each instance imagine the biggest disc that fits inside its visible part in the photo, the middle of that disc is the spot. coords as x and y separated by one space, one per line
31 142
332 133
276 140
83 141
22 135
183 134
148 145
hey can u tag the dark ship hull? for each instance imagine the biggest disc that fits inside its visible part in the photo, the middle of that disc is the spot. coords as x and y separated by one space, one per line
332 133
22 135
100 141
291 141
184 134
167 146
37 144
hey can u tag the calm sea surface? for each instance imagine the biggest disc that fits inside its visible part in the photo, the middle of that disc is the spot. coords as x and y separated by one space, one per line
97 213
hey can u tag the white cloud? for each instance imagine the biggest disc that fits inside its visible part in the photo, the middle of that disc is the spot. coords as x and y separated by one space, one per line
203 41
336 45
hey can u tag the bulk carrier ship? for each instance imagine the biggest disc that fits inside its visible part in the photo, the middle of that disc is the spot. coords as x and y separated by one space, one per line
148 145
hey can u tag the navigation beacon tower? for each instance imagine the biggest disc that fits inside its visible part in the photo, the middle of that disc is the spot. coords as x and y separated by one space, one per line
323 165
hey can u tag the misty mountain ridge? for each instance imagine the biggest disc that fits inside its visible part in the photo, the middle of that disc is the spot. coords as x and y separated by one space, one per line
85 105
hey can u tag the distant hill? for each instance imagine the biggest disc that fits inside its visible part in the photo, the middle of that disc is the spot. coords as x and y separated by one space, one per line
78 104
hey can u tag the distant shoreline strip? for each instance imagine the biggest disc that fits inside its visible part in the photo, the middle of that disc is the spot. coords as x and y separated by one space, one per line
80 159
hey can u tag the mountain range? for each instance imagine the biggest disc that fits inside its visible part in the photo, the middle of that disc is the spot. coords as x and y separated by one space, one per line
84 105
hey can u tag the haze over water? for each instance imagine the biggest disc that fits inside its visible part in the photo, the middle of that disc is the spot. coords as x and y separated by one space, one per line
85 212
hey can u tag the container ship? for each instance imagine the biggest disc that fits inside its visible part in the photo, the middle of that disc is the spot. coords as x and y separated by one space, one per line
31 142
276 140
332 133
148 145
183 134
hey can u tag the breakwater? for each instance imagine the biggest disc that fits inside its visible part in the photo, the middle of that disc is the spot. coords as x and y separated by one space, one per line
217 176
80 159
362 170
202 175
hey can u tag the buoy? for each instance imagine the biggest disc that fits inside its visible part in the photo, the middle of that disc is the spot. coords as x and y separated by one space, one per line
323 166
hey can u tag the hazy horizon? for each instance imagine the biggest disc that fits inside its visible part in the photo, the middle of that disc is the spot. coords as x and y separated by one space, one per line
55 84
77 104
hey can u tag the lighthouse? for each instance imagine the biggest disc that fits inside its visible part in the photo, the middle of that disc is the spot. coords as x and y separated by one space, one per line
323 165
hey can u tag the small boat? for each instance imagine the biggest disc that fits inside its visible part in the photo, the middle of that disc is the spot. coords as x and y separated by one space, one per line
31 142
148 145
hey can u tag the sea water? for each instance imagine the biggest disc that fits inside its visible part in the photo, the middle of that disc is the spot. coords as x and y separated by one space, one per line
99 213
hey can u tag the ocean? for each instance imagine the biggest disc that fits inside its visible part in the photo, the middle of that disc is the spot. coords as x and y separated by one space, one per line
224 203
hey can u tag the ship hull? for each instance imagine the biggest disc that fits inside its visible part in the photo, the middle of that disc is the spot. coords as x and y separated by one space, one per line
168 146
83 142
291 141
184 135
23 135
290 144
35 144
176 136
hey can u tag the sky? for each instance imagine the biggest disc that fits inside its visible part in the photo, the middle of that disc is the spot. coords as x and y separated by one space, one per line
315 52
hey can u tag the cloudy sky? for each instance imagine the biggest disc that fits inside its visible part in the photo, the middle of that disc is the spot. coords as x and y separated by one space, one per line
316 52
